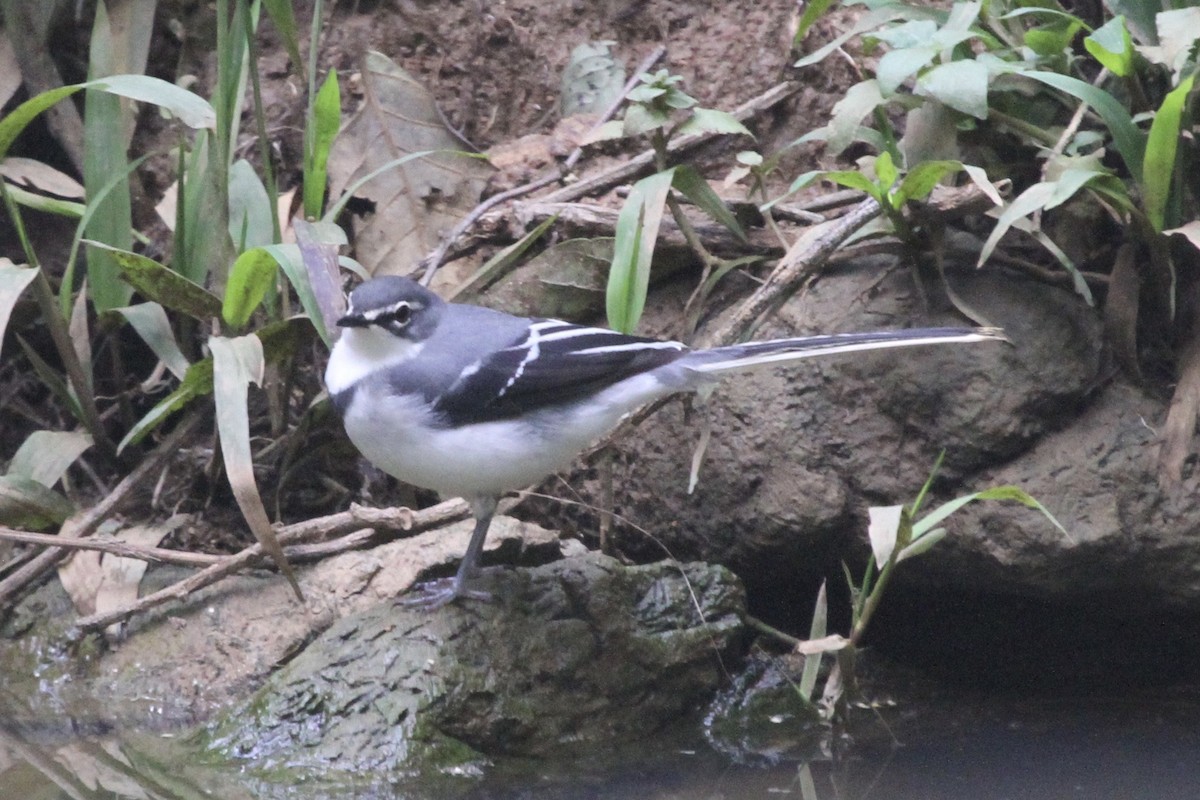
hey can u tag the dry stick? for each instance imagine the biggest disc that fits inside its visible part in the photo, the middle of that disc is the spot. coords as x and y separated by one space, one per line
434 259
793 269
111 546
85 523
641 163
402 518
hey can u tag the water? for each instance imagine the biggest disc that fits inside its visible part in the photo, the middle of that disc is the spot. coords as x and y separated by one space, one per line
1124 746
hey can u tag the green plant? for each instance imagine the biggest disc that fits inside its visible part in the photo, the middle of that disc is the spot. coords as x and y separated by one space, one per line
896 533
659 110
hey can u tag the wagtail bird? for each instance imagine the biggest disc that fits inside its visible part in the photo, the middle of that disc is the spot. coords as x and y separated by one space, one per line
472 402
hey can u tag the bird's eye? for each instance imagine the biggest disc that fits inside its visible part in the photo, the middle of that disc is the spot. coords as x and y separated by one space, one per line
401 314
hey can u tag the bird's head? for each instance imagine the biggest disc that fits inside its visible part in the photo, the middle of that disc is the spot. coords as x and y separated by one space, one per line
397 306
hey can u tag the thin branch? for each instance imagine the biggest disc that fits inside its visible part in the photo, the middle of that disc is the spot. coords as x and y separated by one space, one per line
404 519
86 522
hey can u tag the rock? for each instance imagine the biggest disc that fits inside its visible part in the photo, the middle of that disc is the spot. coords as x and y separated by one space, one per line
579 650
798 453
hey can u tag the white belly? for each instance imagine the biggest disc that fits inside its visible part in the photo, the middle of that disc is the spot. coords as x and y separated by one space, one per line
487 458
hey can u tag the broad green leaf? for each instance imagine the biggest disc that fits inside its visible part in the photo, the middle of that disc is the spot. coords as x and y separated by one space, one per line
694 187
860 100
1026 203
151 323
883 530
961 85
919 182
812 12
925 525
636 234
853 180
191 109
1053 38
1129 141
710 120
641 119
322 130
250 222
897 66
1112 46
236 364
160 284
252 275
45 455
13 280
885 171
27 504
196 382
15 121
1161 145
106 127
913 33
95 199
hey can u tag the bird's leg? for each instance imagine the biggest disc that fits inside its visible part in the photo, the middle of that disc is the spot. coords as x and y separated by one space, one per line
435 594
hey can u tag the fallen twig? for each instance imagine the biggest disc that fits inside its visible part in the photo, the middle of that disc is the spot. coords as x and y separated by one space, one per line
300 532
86 522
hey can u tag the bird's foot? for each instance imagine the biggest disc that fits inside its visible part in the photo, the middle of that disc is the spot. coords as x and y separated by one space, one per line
432 595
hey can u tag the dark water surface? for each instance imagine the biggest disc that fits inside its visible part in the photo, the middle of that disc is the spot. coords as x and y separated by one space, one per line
1119 745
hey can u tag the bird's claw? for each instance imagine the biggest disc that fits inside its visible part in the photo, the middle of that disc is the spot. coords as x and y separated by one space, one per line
432 595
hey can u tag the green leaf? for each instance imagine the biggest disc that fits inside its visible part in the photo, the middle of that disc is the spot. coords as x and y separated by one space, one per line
885 171
499 264
160 284
641 119
854 180
45 455
1054 38
105 126
322 130
694 187
197 382
1112 46
250 279
27 504
919 182
280 12
151 323
860 100
961 85
1161 146
636 233
191 109
250 223
710 120
1030 200
1129 141
13 280
897 66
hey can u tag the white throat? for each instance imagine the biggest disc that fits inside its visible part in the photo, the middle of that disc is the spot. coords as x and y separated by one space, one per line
361 352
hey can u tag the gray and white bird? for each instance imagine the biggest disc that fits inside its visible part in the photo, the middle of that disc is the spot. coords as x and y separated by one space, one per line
472 402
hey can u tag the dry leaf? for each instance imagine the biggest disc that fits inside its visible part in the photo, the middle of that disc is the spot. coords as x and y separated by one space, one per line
416 201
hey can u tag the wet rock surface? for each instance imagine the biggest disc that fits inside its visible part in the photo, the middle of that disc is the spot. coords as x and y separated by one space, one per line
580 650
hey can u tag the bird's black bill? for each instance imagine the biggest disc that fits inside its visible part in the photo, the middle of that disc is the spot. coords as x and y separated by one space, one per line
353 321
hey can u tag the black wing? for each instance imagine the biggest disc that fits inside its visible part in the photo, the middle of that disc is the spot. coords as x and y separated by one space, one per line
555 362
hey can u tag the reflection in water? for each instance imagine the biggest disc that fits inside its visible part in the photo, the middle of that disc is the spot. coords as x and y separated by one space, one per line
1093 748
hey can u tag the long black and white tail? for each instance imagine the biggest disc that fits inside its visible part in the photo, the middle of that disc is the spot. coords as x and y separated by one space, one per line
753 354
